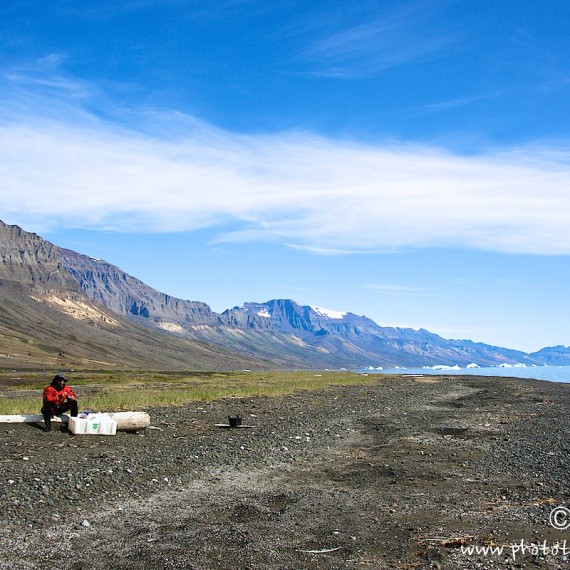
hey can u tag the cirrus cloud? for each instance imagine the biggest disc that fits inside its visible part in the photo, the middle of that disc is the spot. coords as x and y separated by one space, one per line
175 173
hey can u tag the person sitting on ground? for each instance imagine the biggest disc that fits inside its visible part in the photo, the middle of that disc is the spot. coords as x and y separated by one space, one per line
58 398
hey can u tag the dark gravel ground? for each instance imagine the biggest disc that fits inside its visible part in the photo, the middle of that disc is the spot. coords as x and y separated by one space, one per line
404 473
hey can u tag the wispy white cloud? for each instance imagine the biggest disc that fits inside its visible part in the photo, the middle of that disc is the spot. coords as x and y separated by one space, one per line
446 105
402 34
61 165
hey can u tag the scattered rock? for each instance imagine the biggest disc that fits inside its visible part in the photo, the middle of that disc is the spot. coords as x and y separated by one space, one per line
389 491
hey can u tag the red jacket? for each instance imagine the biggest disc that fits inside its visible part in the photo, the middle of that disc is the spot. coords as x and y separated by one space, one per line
54 397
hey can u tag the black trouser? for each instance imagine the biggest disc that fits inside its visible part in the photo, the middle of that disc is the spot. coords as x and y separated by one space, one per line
49 411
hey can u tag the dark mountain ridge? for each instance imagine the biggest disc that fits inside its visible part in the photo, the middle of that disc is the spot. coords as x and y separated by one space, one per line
94 300
46 321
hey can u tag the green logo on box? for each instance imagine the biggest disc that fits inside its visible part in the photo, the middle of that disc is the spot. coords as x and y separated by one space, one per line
95 426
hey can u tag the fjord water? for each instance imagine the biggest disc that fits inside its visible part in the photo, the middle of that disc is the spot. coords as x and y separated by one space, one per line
550 373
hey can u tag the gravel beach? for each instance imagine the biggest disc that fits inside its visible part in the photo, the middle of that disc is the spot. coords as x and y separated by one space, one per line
409 472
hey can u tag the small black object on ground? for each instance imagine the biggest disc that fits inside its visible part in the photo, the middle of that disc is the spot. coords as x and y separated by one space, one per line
233 422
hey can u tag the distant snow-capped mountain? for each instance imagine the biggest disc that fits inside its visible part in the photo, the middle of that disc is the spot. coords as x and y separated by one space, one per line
359 339
281 330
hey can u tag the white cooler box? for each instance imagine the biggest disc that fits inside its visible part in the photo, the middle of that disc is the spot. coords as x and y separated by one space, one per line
93 424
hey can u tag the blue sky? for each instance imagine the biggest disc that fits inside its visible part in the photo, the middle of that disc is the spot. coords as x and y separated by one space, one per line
408 161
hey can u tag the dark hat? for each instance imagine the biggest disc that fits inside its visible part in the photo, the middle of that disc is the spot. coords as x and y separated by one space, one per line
59 377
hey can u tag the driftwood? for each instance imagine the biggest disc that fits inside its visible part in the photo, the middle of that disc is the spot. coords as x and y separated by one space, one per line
323 551
126 421
131 421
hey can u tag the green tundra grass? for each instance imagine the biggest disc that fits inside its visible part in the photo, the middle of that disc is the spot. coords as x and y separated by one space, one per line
115 391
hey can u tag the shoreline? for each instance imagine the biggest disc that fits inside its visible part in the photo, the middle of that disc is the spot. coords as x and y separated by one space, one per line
544 373
400 473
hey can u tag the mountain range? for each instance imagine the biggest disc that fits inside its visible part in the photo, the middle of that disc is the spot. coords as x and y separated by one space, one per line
63 309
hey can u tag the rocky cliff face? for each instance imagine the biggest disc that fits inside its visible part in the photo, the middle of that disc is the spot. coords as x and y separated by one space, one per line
30 260
48 321
108 285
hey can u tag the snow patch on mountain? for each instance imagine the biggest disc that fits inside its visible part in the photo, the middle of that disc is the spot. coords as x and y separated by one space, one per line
328 313
264 313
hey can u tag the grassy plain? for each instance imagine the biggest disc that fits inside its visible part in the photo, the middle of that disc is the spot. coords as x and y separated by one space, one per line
121 390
